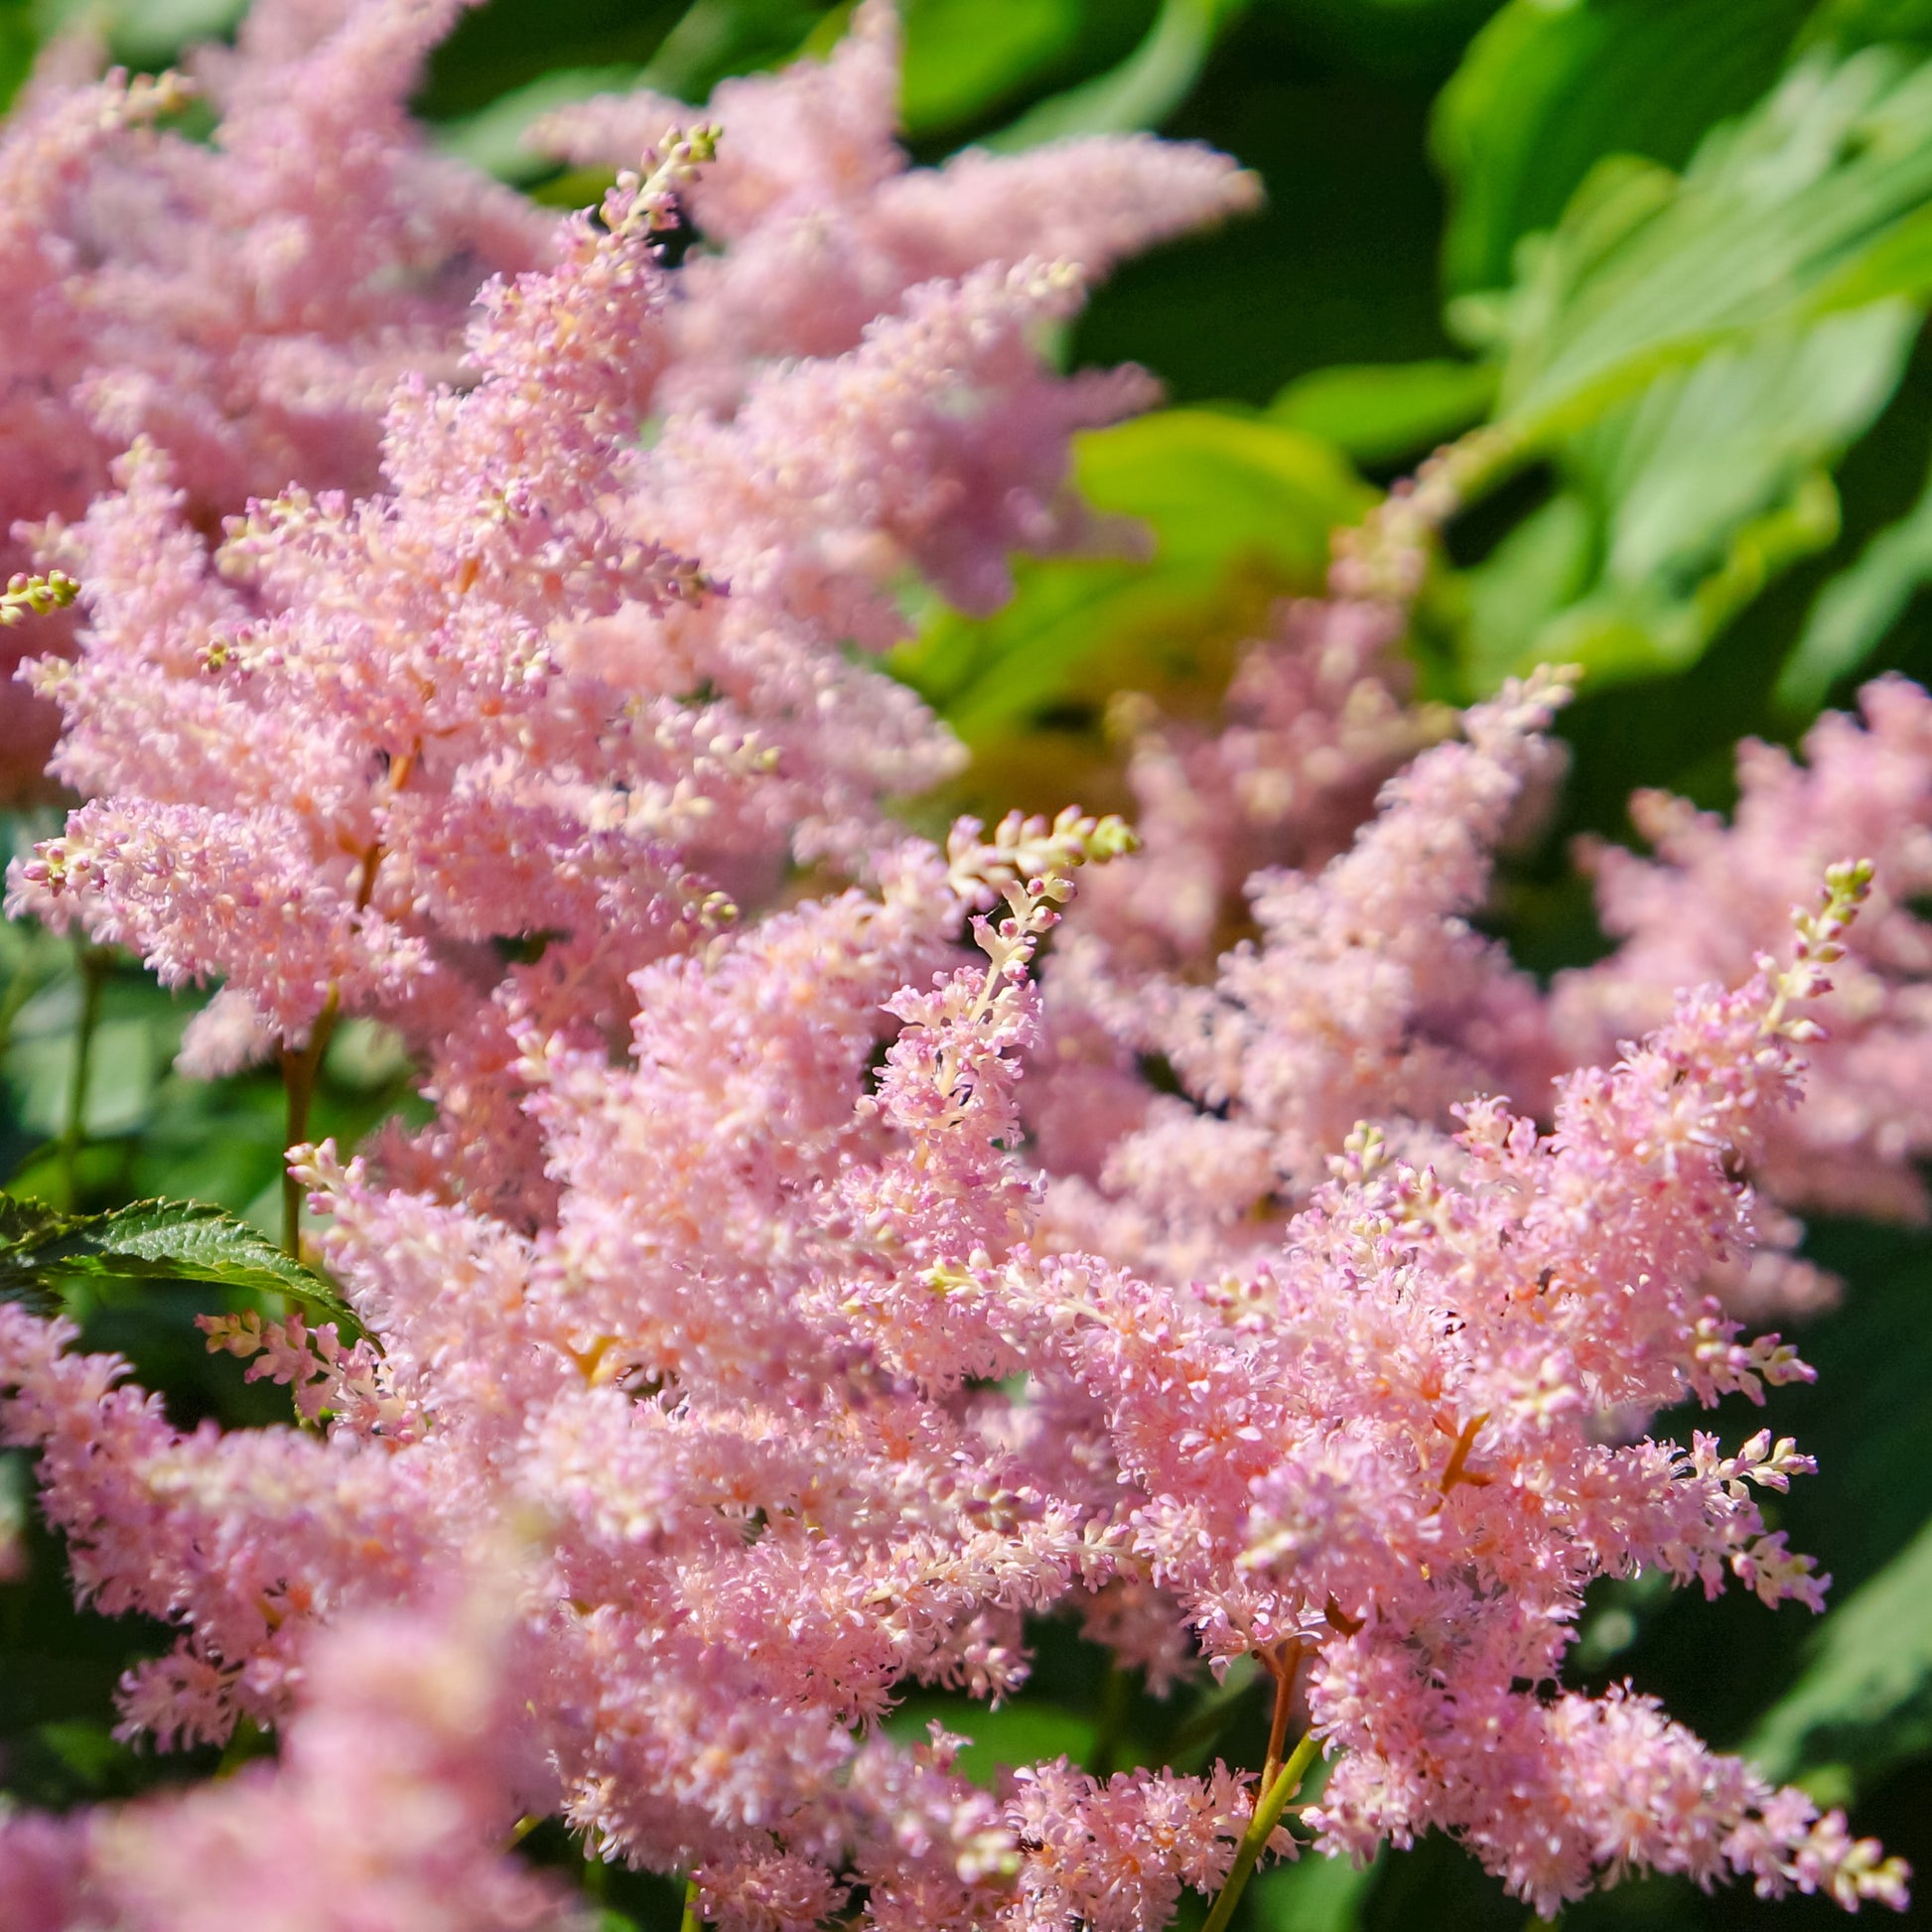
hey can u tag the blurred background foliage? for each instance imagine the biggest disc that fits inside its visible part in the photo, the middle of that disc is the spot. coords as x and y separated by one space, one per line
1676 256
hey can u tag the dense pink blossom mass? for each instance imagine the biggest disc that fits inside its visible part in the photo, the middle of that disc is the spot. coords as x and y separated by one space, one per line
802 1282
250 301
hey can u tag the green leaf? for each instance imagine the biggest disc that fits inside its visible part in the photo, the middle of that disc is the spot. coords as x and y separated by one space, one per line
91 1752
18 45
1864 1702
492 138
152 1240
717 37
1238 509
1546 92
1848 24
1142 90
1818 202
1379 412
964 58
1679 505
1024 1732
1852 612
1313 1895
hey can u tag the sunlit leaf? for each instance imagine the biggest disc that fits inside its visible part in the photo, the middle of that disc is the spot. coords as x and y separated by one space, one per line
1142 90
1377 412
1679 504
963 58
1818 202
492 138
153 1240
1547 91
1022 1732
1864 1701
1238 509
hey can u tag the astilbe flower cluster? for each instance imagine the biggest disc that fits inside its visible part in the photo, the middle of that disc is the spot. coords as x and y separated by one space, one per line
1223 1014
735 1352
249 300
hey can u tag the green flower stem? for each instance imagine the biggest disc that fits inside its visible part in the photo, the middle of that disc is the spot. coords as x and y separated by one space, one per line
1268 1813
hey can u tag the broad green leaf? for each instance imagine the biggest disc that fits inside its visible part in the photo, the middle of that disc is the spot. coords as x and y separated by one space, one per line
1547 90
1378 412
1210 483
1541 566
152 32
152 1240
1679 504
1238 509
143 32
1863 1703
1142 90
963 58
1818 202
1851 613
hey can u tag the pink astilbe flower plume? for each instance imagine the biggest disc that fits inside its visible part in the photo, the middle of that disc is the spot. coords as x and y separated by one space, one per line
1375 1449
1364 995
551 683
756 1390
1716 891
399 1778
248 303
814 225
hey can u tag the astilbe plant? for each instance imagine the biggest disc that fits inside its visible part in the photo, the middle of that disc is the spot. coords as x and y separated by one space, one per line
729 1360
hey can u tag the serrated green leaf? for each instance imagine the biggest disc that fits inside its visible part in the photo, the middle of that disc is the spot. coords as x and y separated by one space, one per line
1377 412
1864 1700
23 1223
1852 612
153 1240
